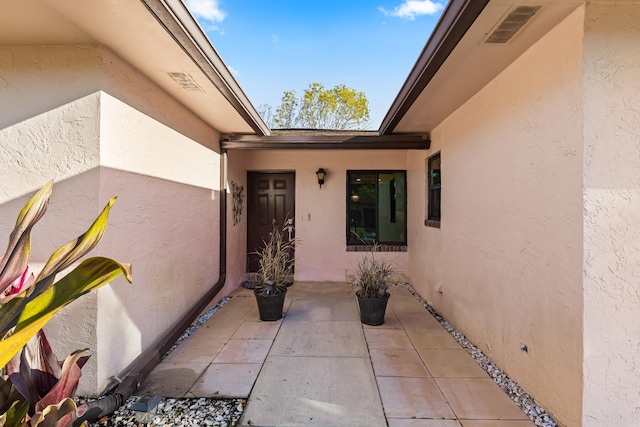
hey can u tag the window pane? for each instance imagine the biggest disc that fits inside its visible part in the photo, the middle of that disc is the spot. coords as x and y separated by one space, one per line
435 183
362 208
376 207
391 207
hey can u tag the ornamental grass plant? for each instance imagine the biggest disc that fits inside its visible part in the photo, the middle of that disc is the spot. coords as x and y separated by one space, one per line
373 274
275 261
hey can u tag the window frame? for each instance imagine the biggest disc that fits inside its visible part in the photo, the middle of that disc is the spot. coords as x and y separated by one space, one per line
377 172
432 218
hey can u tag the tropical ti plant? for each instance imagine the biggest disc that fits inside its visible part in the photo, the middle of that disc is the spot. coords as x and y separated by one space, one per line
373 274
275 262
35 389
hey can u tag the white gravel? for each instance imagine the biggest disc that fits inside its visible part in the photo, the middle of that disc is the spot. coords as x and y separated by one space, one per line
182 413
525 402
227 412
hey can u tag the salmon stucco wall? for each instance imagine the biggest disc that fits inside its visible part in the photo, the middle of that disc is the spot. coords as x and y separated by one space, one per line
611 265
505 267
166 220
320 217
236 231
83 117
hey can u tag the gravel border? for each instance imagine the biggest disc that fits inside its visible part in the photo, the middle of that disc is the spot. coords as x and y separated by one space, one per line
181 413
227 412
525 402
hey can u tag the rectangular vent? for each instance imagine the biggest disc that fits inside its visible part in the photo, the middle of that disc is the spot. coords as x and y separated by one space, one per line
512 24
186 82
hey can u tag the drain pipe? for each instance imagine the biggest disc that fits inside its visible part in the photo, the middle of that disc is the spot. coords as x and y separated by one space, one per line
138 370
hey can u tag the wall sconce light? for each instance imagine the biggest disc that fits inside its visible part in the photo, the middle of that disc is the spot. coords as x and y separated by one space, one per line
321 174
146 408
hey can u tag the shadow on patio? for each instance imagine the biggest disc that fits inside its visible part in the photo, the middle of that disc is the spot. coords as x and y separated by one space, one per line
320 366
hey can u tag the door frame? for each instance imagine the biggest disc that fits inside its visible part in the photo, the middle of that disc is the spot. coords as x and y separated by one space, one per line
250 194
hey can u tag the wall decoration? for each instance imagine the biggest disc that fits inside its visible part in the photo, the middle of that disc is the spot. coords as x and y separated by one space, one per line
238 199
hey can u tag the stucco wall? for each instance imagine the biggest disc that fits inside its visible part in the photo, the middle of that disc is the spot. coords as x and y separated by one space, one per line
236 233
83 117
321 212
166 220
612 215
50 116
505 266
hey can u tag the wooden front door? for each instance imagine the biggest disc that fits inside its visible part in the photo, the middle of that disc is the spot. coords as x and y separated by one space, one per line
270 196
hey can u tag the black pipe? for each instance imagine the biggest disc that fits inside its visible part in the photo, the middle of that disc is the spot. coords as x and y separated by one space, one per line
138 370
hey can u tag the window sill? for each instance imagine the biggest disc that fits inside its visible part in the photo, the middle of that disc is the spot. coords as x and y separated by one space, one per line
381 248
435 223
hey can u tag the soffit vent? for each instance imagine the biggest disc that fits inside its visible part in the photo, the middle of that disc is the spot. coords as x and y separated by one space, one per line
186 82
510 25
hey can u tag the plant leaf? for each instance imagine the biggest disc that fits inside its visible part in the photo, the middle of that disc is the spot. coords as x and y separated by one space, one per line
9 395
15 259
67 254
9 313
15 415
67 382
90 274
36 371
58 415
12 344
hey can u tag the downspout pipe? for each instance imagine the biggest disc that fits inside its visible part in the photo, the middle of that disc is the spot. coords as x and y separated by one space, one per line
140 368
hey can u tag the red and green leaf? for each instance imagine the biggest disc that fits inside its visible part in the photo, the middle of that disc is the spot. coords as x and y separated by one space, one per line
89 275
16 257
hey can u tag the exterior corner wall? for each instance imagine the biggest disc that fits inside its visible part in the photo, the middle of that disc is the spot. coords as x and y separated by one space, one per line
611 264
83 117
320 217
166 220
505 268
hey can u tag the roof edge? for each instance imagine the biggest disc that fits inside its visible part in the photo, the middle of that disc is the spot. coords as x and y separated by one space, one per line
174 16
452 26
319 141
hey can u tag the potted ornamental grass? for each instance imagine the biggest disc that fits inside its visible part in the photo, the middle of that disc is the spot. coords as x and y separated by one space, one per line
275 261
371 277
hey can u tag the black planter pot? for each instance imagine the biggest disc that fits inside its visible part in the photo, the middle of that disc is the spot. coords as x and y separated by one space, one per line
270 306
372 309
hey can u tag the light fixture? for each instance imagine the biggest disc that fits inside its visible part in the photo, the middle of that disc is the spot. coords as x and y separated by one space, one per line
145 408
321 174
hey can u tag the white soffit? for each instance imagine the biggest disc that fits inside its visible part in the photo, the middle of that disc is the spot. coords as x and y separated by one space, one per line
474 63
132 32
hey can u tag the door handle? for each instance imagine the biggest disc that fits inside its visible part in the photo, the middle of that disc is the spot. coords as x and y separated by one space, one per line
290 228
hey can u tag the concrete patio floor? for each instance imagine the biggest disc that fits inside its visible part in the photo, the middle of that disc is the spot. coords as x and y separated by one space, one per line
320 366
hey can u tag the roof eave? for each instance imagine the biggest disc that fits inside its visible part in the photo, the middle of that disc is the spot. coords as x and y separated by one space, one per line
174 16
451 28
320 140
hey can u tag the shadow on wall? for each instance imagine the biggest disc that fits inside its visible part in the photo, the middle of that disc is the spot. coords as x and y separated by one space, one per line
42 79
168 231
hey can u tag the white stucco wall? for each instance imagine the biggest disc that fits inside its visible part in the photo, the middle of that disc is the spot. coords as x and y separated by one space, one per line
505 266
320 216
81 116
48 130
612 215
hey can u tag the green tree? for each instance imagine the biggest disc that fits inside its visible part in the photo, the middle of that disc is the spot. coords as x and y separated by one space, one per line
339 108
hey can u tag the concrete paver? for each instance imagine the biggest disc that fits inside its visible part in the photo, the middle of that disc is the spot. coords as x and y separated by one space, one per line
320 366
321 391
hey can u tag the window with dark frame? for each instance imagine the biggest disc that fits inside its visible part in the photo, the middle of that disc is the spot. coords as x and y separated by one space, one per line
376 207
434 189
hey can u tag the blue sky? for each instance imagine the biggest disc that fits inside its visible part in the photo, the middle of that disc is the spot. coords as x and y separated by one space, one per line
273 46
